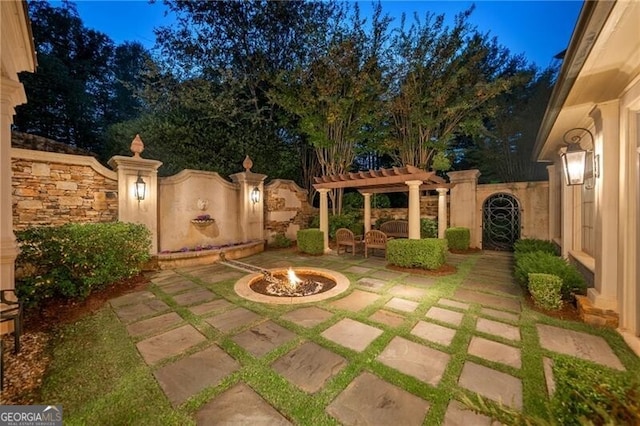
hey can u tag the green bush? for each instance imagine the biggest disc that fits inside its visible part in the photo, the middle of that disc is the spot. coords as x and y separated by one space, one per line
527 245
458 238
546 290
280 241
74 259
355 200
349 220
311 241
589 394
428 228
546 263
429 253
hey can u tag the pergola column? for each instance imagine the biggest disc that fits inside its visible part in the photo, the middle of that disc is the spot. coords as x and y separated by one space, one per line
367 211
414 208
442 211
324 216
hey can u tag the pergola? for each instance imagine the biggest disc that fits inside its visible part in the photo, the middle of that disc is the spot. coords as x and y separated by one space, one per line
396 179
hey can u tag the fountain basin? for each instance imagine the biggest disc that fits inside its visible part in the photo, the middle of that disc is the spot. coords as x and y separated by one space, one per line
243 286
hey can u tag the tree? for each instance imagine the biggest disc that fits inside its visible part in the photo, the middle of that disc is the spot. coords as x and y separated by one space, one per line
68 92
338 96
443 81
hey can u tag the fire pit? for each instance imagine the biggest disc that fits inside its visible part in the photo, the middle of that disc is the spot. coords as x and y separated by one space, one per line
288 285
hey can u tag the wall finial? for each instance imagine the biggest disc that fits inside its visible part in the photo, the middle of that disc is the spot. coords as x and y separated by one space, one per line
247 164
137 146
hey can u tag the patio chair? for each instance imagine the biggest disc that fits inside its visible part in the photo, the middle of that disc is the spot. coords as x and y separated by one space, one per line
374 239
10 311
345 238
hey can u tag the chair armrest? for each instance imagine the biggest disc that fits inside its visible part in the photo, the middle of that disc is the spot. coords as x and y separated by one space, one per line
7 301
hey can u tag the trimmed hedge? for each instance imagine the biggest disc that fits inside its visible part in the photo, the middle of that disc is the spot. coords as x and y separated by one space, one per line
280 241
458 237
428 253
350 221
311 241
74 259
546 290
528 245
547 263
428 228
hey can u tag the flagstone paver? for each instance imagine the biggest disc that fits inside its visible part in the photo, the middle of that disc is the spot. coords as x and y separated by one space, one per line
369 400
494 351
372 283
154 325
389 318
458 415
194 296
408 291
355 301
357 270
219 277
308 317
188 376
444 315
239 405
434 332
263 338
509 316
309 366
416 360
169 343
488 299
453 304
420 281
388 275
401 304
234 318
163 281
547 364
495 287
179 286
213 305
131 313
492 384
132 298
498 329
581 345
352 334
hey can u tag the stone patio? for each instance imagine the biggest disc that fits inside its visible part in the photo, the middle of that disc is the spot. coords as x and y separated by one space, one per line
311 348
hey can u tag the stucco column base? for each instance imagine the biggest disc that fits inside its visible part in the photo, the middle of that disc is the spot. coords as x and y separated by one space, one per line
251 216
601 302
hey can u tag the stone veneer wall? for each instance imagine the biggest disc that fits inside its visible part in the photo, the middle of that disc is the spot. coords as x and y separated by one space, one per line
286 209
51 188
428 209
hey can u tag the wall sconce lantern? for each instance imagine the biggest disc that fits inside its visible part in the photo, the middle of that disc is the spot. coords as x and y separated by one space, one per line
574 158
140 189
255 195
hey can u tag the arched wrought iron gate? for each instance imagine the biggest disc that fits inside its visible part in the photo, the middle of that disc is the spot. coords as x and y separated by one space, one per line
500 222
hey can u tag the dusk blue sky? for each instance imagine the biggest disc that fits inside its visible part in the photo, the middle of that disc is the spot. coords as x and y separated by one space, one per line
539 29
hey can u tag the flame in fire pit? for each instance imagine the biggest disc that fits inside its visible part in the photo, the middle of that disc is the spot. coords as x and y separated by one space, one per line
293 278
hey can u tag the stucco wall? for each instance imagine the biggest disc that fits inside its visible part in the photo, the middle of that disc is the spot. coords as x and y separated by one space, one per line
53 189
188 194
534 206
286 209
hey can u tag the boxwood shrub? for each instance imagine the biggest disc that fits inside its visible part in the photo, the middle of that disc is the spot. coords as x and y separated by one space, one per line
351 221
458 237
527 245
589 394
74 259
546 290
428 228
311 241
547 263
428 253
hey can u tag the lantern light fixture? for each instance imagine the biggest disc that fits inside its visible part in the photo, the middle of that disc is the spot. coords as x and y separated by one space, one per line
254 196
140 188
574 158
